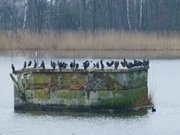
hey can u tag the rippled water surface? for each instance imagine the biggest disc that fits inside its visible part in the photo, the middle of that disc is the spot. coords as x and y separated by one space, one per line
163 83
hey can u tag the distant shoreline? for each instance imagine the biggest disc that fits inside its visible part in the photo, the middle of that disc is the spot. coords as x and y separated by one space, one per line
105 44
107 54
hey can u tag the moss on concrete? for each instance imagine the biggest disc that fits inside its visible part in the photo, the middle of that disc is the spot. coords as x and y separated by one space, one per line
41 94
74 80
64 94
96 89
127 99
70 94
41 78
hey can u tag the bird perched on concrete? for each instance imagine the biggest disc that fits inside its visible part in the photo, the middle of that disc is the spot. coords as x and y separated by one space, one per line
73 64
42 65
29 64
153 109
24 65
102 65
130 65
109 64
13 68
35 64
77 66
96 65
124 63
116 64
136 63
146 63
64 65
53 65
86 64
60 65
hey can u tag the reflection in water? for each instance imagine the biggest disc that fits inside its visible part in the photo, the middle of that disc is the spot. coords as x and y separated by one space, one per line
163 83
88 114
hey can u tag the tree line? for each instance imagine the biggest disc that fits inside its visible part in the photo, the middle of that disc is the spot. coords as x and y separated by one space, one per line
90 15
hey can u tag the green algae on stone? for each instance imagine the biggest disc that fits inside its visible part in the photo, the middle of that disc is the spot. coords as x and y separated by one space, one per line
41 78
126 99
41 94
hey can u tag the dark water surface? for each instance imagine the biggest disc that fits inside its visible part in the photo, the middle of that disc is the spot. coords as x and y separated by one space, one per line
164 85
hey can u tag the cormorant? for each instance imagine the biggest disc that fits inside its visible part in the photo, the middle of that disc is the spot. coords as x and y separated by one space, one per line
53 65
116 64
94 65
109 64
97 65
35 64
130 65
136 63
146 63
102 65
140 63
86 64
77 66
24 65
60 65
42 65
13 68
64 65
153 109
73 64
29 64
124 63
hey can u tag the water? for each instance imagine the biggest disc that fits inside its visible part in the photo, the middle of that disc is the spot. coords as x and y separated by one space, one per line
163 85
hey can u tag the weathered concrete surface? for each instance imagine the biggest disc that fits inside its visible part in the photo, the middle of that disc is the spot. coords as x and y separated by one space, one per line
37 89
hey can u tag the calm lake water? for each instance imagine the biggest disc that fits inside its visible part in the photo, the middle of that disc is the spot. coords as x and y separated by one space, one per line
163 83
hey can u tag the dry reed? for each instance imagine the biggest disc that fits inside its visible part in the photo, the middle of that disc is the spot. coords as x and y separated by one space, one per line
110 40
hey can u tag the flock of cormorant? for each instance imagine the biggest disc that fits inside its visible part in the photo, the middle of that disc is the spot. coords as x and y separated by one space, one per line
99 65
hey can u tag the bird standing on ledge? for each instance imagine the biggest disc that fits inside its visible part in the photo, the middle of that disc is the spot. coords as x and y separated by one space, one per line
24 65
29 64
102 65
153 109
13 68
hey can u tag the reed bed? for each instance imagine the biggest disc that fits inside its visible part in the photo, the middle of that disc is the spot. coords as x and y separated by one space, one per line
101 40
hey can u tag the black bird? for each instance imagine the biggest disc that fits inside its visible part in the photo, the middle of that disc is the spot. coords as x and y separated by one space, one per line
64 65
60 65
35 64
73 64
96 65
130 65
86 64
77 66
116 64
42 65
124 63
153 109
29 64
146 63
53 65
13 68
24 65
102 65
136 63
140 63
109 64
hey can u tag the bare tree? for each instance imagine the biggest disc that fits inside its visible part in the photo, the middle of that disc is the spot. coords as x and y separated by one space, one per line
128 14
25 14
140 13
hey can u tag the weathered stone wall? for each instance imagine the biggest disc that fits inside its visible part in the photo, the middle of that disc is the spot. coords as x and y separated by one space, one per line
114 89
